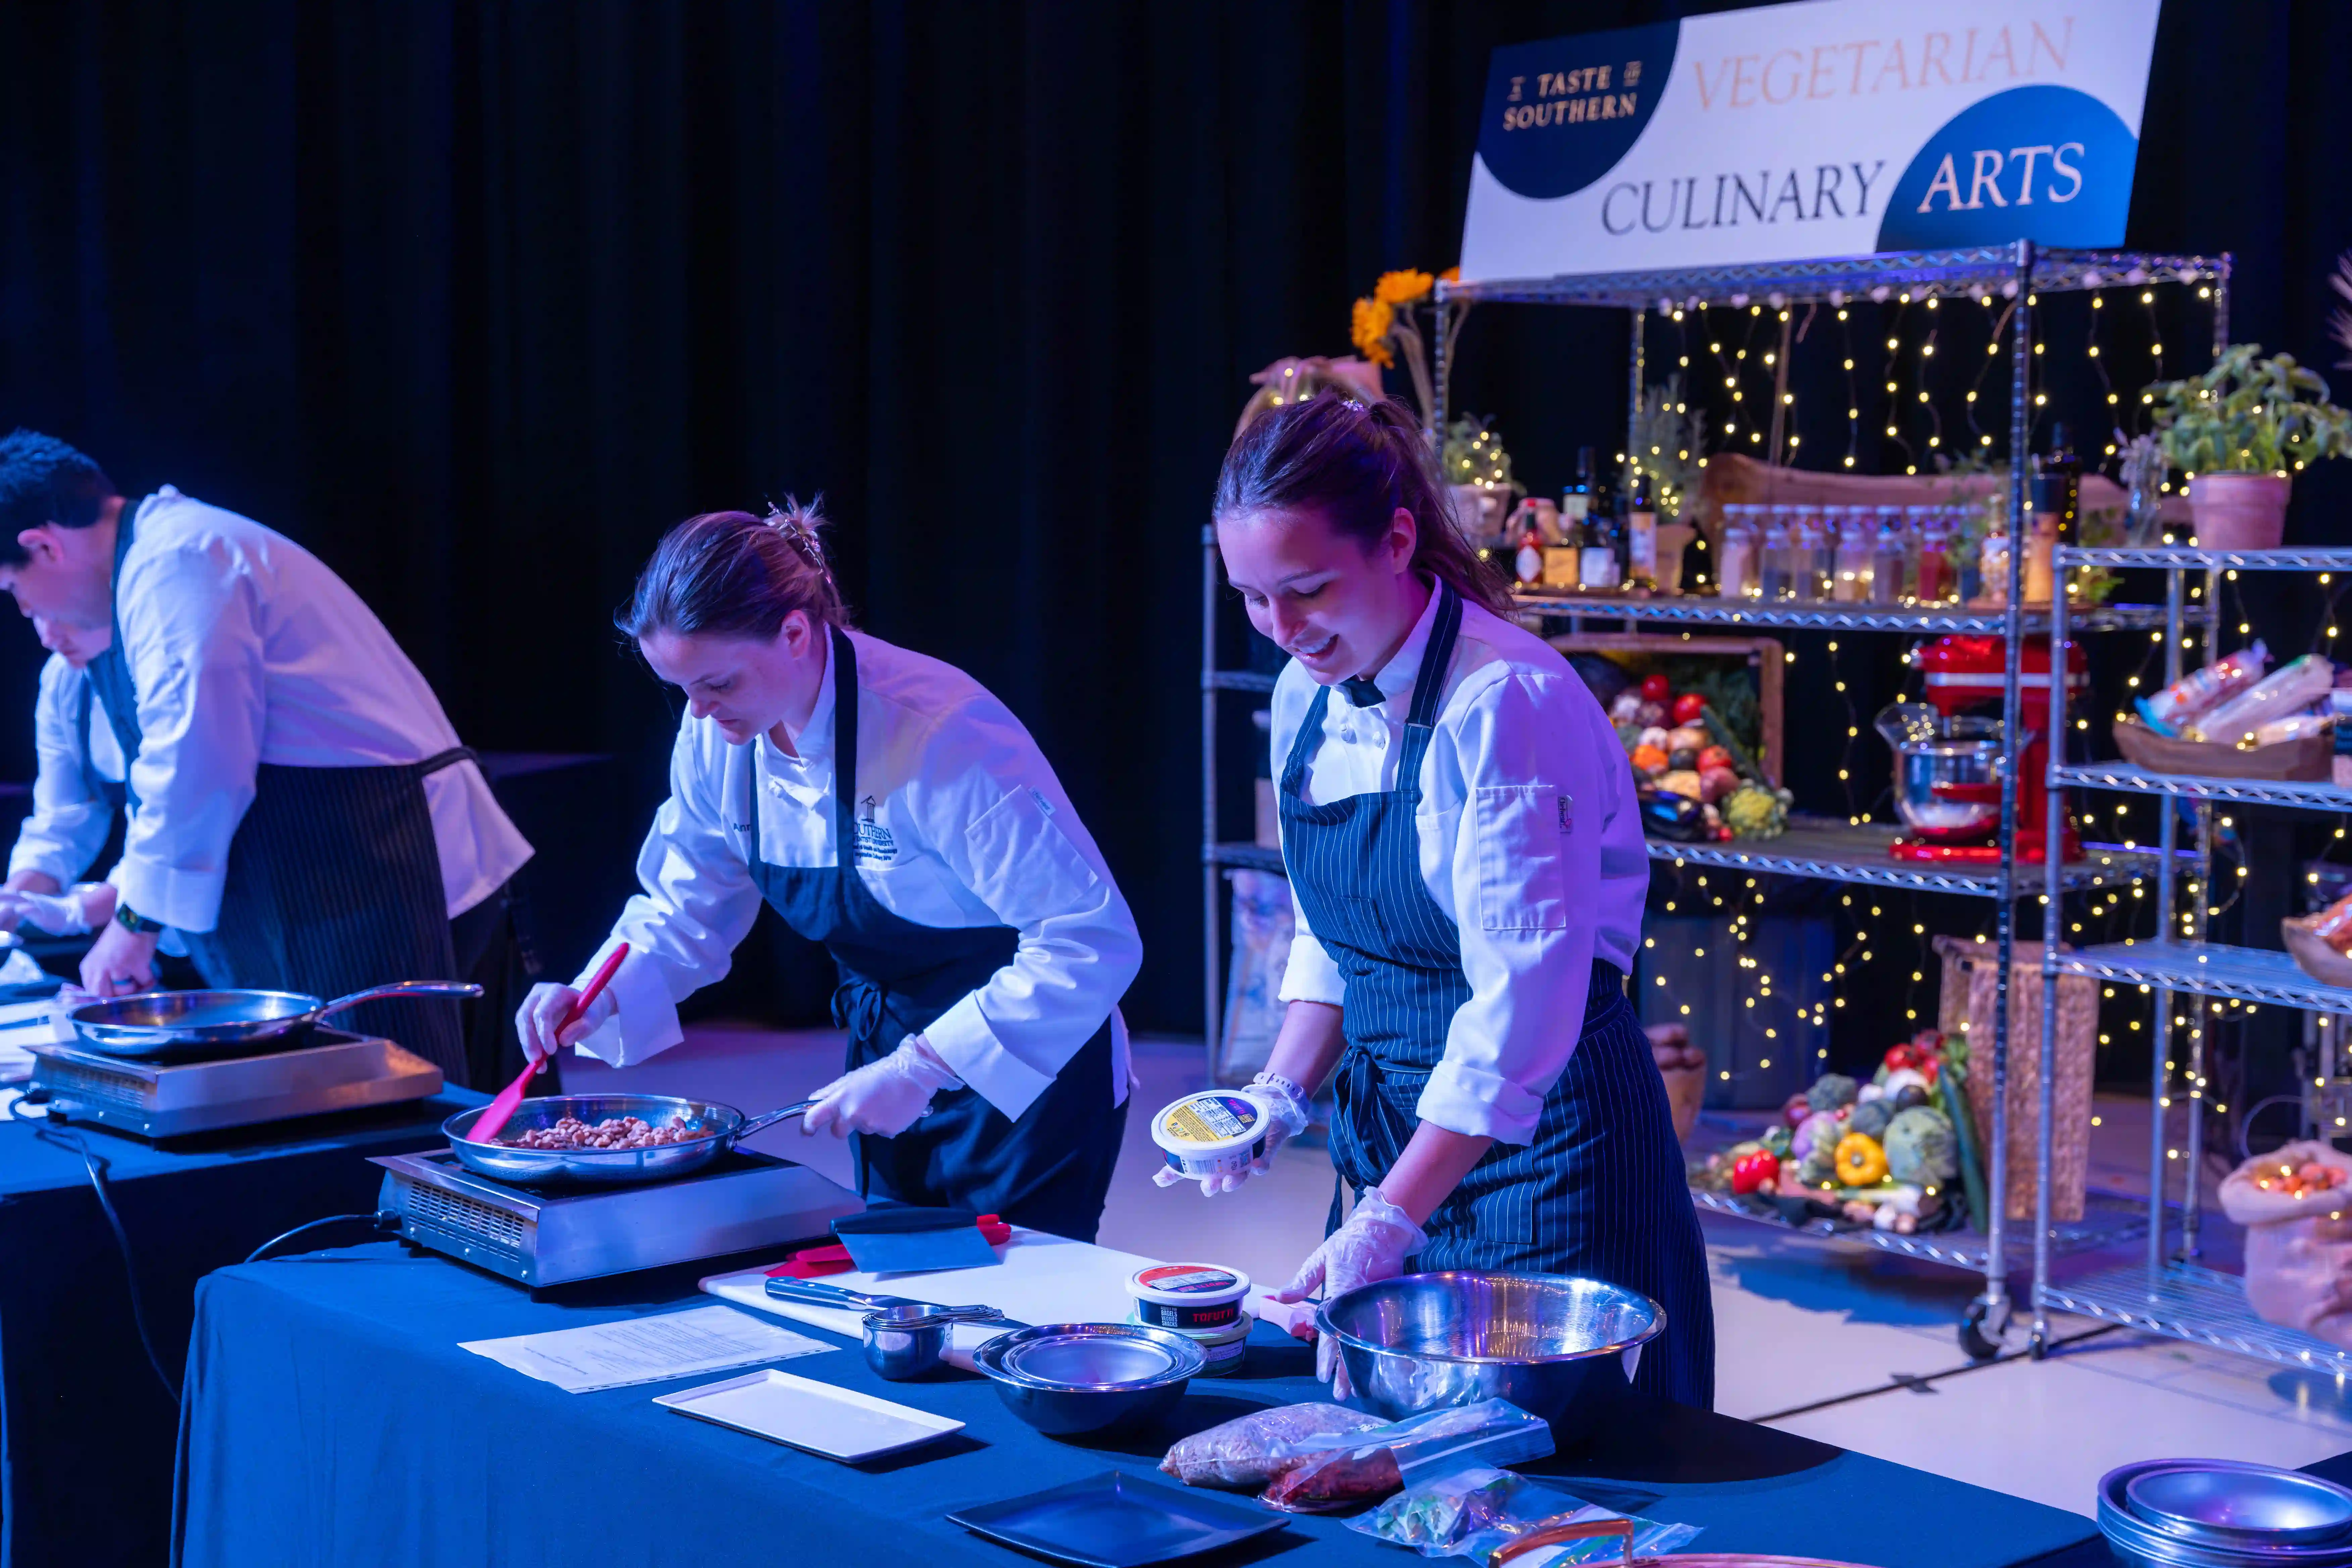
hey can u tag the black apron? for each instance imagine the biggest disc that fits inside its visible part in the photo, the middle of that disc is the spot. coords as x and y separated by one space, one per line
1600 1190
1050 1170
333 882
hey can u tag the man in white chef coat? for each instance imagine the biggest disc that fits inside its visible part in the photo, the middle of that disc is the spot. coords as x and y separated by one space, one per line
302 810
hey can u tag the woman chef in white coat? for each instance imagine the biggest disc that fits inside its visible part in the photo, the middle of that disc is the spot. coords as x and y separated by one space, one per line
888 807
1466 857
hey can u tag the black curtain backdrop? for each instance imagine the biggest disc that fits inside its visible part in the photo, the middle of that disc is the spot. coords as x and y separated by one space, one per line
476 299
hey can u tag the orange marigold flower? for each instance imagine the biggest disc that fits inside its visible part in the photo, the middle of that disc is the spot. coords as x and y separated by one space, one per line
1451 274
1402 288
1370 330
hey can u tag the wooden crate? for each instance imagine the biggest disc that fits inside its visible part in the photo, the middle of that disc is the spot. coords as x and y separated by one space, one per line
1765 656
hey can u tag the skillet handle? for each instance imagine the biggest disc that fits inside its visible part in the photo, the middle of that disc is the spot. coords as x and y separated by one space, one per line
400 988
761 1123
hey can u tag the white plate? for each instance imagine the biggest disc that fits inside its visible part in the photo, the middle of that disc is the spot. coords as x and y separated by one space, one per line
801 1413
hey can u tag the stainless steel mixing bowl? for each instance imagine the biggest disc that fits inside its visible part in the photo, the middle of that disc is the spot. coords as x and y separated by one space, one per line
1070 1380
1555 1345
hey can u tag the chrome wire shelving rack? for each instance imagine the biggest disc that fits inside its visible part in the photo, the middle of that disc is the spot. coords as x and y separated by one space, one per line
2169 1291
1830 851
1835 851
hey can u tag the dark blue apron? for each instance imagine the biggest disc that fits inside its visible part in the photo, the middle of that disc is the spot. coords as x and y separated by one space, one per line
1050 1170
333 882
1600 1191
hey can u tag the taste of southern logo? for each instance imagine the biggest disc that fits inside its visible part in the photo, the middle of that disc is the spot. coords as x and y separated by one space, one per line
1561 112
874 840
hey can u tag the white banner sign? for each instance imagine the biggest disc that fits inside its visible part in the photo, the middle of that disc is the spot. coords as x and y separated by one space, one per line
1828 128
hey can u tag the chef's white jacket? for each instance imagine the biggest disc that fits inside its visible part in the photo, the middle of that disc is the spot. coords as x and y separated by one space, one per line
69 821
1530 842
244 648
969 828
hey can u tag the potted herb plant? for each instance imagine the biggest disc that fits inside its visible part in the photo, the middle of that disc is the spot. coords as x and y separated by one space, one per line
2242 431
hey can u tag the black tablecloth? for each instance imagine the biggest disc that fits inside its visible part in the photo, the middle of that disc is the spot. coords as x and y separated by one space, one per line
332 1419
87 1432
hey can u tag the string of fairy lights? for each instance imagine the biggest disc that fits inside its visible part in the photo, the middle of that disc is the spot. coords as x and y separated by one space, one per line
1927 370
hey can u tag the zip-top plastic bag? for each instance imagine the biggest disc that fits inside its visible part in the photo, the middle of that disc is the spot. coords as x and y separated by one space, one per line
1479 1510
1241 1452
1329 1474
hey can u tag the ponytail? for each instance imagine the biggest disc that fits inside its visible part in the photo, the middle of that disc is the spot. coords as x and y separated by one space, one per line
730 573
1357 463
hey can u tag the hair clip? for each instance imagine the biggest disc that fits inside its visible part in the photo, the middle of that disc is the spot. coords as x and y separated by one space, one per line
791 525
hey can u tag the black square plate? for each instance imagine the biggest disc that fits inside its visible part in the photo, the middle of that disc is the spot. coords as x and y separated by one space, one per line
1115 1520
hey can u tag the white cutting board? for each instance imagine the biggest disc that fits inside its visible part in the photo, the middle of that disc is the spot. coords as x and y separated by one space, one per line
1042 1280
24 1023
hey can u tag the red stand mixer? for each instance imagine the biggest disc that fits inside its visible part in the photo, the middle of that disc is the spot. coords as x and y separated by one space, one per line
1947 758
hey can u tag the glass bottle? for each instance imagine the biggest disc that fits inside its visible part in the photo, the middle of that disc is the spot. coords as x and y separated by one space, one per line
1933 537
1640 533
1599 548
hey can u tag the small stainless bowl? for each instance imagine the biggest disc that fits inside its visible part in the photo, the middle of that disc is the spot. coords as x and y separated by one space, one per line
905 1342
1556 1345
1070 1380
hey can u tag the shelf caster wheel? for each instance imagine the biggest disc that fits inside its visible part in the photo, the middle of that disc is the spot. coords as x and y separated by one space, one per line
1981 1331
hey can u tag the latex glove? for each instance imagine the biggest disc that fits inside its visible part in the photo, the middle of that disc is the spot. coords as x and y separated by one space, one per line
121 960
541 1011
1372 1245
882 1098
70 913
1285 1117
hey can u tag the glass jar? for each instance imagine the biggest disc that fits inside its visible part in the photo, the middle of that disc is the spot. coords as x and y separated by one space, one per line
1812 553
1993 570
1851 582
1889 566
1777 560
1932 541
1736 575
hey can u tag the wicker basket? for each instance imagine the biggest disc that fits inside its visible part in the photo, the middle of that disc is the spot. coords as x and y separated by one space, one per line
1971 979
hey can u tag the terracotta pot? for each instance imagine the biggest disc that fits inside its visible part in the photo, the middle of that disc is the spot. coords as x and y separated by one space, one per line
2239 512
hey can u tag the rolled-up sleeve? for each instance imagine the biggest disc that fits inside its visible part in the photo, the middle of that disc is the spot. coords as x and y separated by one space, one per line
69 823
1525 861
990 807
698 901
191 637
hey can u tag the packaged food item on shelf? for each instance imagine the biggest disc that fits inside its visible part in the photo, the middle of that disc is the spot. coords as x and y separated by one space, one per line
2289 689
2334 926
2170 710
2293 727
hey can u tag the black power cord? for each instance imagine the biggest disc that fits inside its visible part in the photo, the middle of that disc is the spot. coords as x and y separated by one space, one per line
381 1219
57 1130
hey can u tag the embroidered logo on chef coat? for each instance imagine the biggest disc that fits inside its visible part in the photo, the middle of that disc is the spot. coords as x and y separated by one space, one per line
874 840
1567 813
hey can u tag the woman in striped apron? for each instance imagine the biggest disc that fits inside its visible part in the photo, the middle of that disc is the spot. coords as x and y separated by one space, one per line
1467 863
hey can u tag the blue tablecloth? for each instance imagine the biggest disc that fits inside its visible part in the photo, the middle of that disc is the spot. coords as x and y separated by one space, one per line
331 1419
86 1434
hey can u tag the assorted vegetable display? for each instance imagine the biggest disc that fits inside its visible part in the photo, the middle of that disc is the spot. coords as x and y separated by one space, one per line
1891 1154
1695 780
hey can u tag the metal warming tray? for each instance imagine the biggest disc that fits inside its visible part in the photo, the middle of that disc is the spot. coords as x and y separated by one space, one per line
553 1235
165 1100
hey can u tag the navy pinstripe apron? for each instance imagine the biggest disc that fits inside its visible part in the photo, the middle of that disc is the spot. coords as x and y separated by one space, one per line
1601 1190
333 881
1049 1170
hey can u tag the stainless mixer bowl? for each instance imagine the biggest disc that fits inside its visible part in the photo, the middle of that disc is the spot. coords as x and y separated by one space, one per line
1962 751
1557 1346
